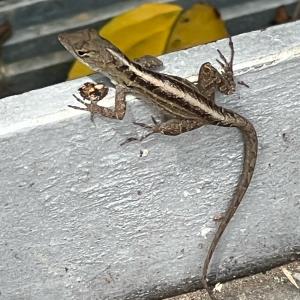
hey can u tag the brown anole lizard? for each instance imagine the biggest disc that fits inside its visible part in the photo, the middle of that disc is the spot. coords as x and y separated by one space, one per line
189 105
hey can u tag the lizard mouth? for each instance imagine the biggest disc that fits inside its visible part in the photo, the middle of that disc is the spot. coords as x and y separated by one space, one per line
64 40
61 37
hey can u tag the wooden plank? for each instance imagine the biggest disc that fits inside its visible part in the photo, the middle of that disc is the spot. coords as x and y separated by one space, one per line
83 217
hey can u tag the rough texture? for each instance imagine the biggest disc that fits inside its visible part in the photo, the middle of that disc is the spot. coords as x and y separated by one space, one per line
83 218
271 285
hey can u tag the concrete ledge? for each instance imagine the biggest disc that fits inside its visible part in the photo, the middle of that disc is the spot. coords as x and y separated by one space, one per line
84 218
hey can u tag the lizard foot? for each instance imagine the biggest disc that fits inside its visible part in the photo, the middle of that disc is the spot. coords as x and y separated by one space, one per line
91 94
154 129
227 67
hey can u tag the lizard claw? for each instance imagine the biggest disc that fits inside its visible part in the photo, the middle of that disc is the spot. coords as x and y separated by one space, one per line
79 100
143 125
156 124
82 101
133 139
77 107
226 65
154 129
154 120
89 107
130 139
91 94
223 58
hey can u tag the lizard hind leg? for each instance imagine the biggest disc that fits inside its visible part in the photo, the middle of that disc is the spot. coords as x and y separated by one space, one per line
211 80
172 126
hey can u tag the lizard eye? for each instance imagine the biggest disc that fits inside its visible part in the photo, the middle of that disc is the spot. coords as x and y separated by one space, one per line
83 53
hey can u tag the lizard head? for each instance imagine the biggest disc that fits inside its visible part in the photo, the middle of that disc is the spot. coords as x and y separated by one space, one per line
93 50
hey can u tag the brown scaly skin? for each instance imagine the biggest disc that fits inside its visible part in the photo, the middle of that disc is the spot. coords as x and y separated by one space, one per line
189 105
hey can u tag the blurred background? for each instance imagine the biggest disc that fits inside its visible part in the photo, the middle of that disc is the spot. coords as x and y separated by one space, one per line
32 57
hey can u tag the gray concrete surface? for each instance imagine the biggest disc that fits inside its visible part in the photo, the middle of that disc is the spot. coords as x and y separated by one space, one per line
270 285
83 218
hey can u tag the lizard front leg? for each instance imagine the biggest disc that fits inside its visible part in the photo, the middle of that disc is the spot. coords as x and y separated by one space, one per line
93 99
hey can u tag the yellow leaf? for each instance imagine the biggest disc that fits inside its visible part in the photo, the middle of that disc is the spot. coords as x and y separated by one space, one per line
147 25
140 31
198 25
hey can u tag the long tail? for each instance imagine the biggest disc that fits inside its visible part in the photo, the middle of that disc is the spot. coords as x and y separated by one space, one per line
250 154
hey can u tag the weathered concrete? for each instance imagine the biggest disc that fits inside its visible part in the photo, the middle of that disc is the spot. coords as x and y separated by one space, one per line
270 285
83 218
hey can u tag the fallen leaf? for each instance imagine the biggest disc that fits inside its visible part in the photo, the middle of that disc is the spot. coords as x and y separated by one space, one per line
289 276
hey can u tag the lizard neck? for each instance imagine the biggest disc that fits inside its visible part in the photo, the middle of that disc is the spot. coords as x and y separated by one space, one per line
121 69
